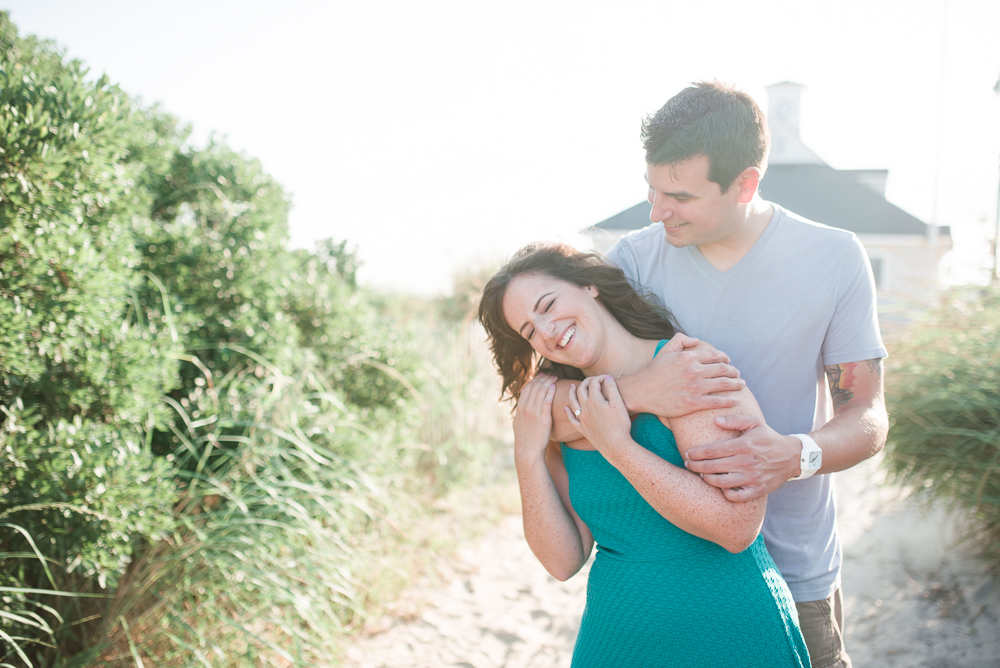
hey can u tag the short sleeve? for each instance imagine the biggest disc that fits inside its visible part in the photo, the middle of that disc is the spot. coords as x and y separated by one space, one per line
853 334
622 256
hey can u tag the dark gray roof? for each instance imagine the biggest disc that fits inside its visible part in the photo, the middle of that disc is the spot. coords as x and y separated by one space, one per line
825 195
817 192
632 218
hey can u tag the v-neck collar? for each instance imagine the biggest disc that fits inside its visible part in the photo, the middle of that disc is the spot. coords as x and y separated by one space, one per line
745 261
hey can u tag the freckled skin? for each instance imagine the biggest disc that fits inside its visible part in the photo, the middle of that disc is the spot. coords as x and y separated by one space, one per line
543 310
554 532
682 497
560 540
717 516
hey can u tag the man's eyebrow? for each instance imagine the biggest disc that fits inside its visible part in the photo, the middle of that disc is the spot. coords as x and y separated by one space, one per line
682 193
534 310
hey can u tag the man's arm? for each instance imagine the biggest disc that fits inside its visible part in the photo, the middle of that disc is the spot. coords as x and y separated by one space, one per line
761 460
685 377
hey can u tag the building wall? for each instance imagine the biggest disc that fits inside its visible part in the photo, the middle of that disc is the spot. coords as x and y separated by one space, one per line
906 272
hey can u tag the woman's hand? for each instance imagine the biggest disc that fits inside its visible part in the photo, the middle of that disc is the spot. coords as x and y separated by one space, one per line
599 412
533 417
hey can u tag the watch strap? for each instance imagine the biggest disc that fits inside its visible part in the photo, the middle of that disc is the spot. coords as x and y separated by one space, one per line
810 458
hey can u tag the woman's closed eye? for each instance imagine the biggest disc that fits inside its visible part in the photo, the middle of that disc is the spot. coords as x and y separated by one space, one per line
545 310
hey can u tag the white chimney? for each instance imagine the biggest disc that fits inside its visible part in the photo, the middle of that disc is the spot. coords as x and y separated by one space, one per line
783 110
783 103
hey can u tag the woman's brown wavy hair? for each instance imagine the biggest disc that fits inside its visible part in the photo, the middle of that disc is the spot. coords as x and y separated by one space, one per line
514 357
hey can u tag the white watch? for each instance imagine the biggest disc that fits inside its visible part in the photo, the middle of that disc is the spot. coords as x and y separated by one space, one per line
811 457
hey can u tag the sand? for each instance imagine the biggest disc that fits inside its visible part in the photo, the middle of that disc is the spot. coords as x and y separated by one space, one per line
913 597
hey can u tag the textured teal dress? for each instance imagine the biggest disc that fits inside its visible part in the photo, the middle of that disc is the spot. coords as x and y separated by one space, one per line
659 596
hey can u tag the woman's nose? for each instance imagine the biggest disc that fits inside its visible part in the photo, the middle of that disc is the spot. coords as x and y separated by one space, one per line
546 326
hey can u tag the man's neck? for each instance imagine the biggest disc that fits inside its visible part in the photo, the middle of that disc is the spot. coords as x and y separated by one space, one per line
726 253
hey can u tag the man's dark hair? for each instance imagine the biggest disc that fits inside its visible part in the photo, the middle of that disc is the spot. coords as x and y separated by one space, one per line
710 119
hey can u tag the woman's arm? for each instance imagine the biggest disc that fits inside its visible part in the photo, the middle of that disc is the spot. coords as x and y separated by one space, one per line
680 496
555 533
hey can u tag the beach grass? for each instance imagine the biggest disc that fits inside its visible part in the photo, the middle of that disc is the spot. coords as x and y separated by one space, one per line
943 397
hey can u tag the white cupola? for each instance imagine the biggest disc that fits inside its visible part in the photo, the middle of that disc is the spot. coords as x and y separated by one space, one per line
784 102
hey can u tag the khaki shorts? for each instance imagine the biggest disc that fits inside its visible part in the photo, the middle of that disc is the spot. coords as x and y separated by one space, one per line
822 624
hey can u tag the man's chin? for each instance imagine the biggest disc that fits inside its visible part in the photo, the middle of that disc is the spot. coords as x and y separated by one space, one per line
677 240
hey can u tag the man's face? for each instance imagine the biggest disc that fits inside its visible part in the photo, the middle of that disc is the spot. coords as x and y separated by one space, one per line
693 210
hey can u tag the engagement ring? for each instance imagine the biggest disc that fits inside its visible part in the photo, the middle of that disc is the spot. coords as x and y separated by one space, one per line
577 412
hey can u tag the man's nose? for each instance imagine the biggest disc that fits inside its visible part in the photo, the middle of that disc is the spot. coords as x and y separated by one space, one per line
661 208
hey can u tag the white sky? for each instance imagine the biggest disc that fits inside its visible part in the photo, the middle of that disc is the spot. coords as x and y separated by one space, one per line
436 135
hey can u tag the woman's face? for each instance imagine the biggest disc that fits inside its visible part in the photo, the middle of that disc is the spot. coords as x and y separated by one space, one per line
563 322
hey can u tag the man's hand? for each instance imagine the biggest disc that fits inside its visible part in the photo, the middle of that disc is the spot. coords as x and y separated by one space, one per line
683 378
680 380
761 460
748 466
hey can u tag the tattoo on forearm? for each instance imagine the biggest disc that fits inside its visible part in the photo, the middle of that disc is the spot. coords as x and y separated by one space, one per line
841 377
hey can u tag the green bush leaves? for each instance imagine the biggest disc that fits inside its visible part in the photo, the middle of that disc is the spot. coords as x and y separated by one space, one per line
943 396
195 420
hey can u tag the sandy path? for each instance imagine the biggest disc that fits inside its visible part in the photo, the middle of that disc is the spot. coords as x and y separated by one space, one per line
910 598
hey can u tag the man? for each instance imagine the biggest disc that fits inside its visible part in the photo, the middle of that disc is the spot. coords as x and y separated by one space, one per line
788 300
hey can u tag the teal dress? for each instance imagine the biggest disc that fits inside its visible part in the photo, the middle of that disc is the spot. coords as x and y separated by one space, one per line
658 596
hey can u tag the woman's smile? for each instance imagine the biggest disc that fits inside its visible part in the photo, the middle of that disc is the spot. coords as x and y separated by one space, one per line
566 337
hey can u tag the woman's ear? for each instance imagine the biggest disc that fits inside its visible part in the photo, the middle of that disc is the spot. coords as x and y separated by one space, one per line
592 289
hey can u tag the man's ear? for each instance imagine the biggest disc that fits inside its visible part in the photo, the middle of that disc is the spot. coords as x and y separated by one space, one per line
746 184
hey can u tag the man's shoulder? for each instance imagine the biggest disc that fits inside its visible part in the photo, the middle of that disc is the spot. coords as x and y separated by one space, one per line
644 242
794 223
644 235
640 253
802 233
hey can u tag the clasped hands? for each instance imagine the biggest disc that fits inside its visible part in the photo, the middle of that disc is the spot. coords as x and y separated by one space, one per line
753 463
685 377
598 412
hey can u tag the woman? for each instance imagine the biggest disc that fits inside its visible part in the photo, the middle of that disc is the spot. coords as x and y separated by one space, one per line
681 576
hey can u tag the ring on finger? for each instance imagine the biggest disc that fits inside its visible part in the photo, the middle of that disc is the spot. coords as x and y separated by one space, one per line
577 412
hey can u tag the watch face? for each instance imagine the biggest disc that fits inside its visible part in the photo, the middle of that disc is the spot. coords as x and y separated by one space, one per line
814 459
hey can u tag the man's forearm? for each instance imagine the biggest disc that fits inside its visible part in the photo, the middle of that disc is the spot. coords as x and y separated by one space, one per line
852 436
686 376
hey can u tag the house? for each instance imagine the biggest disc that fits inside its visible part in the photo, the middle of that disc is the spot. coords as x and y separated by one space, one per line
905 252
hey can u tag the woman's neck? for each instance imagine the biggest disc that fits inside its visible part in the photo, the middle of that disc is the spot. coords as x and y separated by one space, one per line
624 354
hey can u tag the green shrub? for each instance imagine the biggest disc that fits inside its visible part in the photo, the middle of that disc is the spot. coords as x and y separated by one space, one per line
177 389
261 563
943 396
81 370
215 236
204 437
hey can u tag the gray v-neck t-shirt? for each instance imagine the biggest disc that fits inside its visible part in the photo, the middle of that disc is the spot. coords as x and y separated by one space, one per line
801 298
